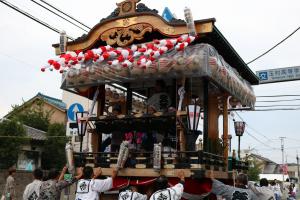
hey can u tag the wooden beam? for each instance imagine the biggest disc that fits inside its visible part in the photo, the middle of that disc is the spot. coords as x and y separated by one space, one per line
155 21
206 114
130 172
213 122
225 130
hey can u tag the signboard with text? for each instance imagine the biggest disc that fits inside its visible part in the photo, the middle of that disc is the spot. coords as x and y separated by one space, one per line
279 74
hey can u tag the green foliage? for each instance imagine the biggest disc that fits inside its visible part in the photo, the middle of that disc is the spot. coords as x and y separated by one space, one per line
35 116
10 146
54 148
254 170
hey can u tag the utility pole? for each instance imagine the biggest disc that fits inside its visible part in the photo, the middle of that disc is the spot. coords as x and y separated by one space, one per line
282 151
298 165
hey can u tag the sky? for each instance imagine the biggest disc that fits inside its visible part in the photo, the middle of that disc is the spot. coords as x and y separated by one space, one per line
251 27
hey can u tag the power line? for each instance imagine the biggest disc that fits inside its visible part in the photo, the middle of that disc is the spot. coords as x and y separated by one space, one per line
268 139
267 106
255 138
284 95
276 109
58 15
64 13
274 46
27 137
32 17
273 101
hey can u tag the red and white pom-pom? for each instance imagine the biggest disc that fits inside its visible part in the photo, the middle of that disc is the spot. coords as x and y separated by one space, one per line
148 63
142 61
136 54
169 45
56 65
112 54
100 59
134 48
120 58
80 57
162 42
181 46
156 54
105 55
163 49
115 62
125 52
127 63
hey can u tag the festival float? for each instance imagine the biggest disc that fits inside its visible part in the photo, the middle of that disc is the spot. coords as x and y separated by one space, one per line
186 75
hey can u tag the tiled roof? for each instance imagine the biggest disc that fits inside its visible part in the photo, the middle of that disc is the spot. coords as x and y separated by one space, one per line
57 102
261 158
34 133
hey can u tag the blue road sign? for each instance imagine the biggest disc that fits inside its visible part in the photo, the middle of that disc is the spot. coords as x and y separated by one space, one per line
263 76
167 15
75 107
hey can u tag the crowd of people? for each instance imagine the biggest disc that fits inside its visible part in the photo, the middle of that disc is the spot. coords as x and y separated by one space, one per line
89 187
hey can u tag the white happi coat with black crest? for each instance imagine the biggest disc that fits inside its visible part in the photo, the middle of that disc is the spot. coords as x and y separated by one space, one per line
173 193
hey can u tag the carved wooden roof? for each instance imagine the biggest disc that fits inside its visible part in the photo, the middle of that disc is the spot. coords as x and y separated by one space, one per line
133 22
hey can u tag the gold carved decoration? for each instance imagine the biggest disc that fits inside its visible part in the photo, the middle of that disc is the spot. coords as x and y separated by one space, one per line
124 36
127 7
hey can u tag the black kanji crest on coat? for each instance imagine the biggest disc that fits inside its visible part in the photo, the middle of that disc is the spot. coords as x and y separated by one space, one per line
237 195
162 196
83 186
125 196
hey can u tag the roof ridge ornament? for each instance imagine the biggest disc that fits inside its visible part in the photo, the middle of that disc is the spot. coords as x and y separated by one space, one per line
127 7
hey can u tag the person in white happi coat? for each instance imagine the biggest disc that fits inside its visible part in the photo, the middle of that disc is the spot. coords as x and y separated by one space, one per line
32 190
89 187
163 192
132 194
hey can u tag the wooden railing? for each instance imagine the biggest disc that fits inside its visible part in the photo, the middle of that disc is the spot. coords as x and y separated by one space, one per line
170 160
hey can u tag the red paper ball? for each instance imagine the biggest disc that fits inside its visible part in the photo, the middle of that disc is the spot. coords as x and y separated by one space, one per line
56 65
50 62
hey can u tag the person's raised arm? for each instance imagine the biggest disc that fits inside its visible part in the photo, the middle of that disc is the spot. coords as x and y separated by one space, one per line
97 172
79 173
256 190
63 171
218 188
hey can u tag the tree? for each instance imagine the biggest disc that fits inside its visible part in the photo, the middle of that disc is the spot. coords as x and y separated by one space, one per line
10 146
34 116
254 170
53 155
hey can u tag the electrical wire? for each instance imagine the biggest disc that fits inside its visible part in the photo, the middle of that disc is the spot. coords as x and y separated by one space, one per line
12 136
55 8
273 101
58 15
268 106
274 46
276 109
284 95
268 139
32 17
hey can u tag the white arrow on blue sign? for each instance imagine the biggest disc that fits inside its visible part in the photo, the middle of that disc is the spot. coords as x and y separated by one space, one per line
75 107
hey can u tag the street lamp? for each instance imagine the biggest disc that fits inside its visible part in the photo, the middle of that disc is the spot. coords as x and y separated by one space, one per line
82 120
239 128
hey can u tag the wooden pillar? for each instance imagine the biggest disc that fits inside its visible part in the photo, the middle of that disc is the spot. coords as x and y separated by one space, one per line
206 113
179 129
213 123
97 138
225 130
128 99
